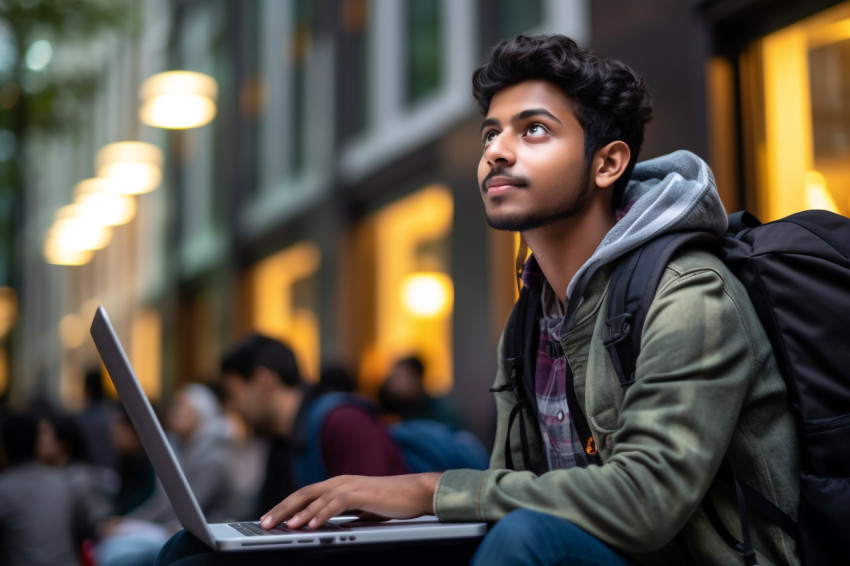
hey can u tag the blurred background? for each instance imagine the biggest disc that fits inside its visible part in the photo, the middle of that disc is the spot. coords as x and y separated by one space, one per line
306 168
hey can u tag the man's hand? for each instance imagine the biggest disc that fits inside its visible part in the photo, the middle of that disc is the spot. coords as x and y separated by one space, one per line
393 497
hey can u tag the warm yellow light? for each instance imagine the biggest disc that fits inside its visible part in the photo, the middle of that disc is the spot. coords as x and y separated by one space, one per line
8 310
74 233
817 194
72 331
178 100
427 294
130 167
103 207
56 254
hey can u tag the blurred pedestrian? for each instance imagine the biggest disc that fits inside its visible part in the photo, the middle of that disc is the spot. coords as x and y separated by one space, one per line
96 419
197 430
37 513
61 445
335 377
403 394
137 478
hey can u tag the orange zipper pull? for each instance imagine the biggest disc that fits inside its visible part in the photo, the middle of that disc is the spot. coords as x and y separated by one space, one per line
590 449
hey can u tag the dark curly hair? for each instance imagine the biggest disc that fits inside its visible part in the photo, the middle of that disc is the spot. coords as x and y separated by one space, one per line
255 350
610 100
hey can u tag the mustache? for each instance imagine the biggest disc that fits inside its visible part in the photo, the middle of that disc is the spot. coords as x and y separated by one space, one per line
502 172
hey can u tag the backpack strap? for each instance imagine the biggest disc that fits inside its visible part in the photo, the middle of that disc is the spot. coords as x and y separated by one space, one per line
745 545
632 288
520 347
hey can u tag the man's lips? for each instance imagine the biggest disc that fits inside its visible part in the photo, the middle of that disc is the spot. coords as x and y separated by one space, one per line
498 184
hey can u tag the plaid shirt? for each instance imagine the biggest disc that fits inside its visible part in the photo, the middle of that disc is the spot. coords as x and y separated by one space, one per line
563 446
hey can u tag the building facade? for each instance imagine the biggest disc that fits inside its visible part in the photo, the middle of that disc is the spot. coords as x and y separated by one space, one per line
332 201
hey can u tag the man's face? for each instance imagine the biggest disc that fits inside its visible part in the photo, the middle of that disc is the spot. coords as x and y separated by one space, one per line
532 171
242 398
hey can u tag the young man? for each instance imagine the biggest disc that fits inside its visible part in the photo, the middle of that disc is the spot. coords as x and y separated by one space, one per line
561 136
262 384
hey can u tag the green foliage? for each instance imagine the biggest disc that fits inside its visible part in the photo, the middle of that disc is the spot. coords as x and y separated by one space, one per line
51 104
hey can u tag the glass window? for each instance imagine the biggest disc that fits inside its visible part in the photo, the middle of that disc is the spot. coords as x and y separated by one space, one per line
354 67
405 297
424 48
303 34
284 303
796 94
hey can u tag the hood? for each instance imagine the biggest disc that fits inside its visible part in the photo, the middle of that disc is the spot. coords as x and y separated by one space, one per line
671 193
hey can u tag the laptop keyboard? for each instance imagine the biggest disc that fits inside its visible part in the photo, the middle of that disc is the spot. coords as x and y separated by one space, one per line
254 529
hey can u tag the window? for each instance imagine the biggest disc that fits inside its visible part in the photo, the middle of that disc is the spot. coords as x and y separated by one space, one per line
796 95
403 290
424 48
283 302
354 67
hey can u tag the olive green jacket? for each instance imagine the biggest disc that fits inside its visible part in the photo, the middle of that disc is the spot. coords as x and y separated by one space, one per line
707 386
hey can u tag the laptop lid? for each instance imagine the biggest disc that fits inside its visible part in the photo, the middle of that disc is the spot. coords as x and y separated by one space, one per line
150 432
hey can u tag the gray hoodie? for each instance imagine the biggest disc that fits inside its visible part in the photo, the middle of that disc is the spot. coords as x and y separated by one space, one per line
669 193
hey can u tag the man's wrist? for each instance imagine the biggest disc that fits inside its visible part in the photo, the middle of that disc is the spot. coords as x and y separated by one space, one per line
429 481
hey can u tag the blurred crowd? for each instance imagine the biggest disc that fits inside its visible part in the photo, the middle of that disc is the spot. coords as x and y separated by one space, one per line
76 487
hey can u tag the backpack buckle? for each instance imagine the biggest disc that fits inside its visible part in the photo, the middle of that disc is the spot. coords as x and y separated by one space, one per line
619 328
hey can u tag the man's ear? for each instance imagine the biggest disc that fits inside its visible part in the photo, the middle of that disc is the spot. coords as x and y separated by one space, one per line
610 162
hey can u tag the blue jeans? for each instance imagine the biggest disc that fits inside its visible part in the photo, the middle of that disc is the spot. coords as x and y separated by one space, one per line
531 538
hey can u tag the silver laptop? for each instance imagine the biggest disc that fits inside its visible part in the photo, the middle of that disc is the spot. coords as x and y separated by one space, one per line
244 536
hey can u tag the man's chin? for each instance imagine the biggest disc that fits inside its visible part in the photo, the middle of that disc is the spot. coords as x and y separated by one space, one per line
517 223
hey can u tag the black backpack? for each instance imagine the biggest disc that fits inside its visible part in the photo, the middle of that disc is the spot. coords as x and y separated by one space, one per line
797 273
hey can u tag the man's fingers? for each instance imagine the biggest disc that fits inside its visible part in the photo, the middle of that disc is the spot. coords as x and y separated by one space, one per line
398 497
303 505
329 504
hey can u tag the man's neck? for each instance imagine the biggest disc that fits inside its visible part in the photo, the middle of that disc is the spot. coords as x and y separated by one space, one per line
561 248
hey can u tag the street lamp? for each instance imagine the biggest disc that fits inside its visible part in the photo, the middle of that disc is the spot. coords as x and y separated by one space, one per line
97 200
132 167
178 100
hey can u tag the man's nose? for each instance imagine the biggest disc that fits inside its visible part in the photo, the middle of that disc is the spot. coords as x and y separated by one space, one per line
500 150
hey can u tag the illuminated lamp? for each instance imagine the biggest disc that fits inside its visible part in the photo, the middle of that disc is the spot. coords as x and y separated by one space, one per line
95 201
178 100
56 254
75 233
132 168
427 294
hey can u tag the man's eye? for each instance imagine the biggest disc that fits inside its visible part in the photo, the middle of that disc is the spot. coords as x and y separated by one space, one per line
536 130
488 137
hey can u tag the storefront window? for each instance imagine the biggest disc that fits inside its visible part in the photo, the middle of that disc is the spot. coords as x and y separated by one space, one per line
796 93
405 293
284 303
